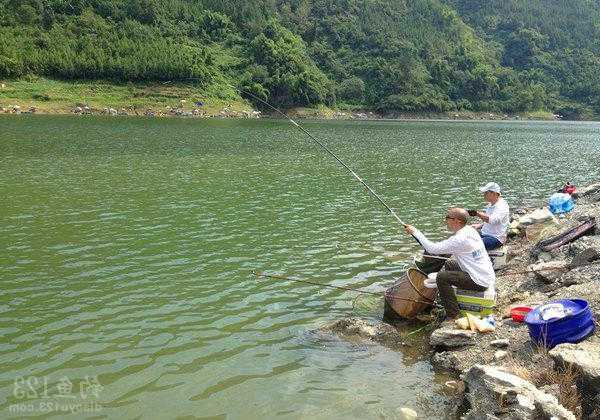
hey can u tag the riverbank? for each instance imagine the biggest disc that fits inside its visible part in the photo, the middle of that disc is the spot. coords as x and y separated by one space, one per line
38 95
504 373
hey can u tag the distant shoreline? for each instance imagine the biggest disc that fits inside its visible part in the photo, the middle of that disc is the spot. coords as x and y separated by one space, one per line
55 97
188 114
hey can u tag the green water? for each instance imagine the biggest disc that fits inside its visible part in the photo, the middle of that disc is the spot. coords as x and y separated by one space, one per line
127 248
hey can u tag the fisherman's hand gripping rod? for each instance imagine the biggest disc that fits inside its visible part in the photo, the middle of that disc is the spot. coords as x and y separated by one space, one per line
358 178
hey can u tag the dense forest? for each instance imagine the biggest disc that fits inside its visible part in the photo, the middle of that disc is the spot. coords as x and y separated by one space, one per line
401 55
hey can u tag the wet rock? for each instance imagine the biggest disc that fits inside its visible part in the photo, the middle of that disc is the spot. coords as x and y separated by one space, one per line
584 358
492 391
501 343
456 386
407 413
357 327
448 338
449 360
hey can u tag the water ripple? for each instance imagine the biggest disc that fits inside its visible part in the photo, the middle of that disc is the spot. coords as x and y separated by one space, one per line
130 246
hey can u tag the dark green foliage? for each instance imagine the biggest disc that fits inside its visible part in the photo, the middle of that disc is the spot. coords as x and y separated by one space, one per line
413 56
280 64
554 47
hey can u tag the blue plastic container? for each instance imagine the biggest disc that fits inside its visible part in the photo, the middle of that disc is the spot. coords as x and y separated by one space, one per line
560 203
577 325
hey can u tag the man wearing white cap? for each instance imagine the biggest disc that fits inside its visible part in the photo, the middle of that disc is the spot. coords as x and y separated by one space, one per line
496 217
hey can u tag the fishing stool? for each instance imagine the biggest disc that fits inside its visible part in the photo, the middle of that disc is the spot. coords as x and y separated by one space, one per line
498 257
476 303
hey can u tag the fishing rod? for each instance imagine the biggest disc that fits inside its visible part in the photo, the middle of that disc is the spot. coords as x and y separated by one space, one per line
358 178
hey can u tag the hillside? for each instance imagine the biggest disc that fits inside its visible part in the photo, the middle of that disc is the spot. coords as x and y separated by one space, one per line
406 56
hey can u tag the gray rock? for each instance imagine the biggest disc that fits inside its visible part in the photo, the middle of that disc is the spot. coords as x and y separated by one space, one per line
407 413
493 391
580 275
586 191
550 271
582 244
500 355
449 338
553 389
501 343
584 358
450 361
358 327
587 257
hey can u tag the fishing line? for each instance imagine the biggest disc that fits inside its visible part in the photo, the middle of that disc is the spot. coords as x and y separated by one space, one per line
348 289
358 178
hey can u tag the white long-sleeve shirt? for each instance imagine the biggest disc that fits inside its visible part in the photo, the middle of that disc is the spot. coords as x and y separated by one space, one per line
468 249
499 215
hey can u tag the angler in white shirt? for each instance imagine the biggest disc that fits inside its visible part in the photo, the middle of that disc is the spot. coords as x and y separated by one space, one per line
496 217
472 269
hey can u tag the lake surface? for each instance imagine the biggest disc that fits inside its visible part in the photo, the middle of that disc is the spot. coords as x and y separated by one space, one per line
128 247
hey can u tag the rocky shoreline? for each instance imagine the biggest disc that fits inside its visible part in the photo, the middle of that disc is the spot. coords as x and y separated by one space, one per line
503 374
184 110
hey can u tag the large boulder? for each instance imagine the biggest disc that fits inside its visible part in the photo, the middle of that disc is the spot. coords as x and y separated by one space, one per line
450 338
584 359
493 392
550 271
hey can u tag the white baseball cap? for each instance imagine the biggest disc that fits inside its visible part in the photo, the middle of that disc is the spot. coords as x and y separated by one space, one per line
490 186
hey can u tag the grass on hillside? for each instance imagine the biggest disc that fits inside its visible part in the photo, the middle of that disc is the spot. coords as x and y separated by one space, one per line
57 96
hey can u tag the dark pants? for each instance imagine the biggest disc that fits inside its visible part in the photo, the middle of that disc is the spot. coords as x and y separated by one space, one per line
490 242
453 276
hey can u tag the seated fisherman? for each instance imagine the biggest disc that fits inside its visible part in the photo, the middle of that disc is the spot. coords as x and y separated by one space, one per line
568 188
472 269
496 217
